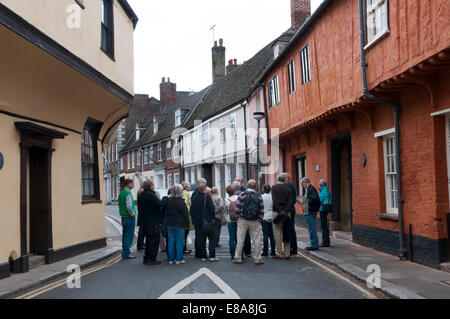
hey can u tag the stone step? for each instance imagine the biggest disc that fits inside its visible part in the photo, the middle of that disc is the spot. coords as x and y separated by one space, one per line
343 235
445 266
36 261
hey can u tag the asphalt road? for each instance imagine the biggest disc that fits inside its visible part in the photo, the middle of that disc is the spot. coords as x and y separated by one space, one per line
298 278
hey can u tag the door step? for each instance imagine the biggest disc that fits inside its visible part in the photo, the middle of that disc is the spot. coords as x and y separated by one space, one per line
36 261
445 266
343 235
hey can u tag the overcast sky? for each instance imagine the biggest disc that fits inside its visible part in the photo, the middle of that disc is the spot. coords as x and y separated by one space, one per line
173 37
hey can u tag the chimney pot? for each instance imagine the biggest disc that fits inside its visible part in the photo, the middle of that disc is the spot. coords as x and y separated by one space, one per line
163 80
215 43
221 42
235 61
168 80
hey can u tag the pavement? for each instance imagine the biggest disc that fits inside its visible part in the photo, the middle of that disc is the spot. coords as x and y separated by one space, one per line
400 279
21 283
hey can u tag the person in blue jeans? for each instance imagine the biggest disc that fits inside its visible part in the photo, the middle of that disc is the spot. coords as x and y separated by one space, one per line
232 225
177 220
127 210
325 208
311 204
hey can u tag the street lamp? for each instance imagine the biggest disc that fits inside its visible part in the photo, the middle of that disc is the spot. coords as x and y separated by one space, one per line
258 116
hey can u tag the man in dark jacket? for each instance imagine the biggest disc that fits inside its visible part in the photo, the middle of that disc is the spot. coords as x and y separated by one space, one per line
293 234
282 204
151 218
311 205
202 206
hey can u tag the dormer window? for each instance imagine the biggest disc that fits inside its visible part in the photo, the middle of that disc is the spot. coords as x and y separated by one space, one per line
278 48
155 125
180 115
138 132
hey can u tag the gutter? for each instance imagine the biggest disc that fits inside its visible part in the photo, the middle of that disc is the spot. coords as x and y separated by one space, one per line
397 110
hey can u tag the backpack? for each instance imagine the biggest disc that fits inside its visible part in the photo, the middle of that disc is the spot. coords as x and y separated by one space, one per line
251 207
232 211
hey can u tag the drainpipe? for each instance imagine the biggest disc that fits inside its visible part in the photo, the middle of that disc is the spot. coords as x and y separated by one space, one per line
245 104
396 108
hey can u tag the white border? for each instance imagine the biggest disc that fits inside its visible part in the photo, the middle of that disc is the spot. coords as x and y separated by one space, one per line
442 112
386 132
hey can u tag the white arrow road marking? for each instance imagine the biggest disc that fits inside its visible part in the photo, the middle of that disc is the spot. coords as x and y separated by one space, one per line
229 293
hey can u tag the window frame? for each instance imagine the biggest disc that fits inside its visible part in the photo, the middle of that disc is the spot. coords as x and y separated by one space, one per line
177 116
305 63
155 125
107 28
169 149
145 161
390 184
291 76
274 92
169 180
159 152
233 125
369 38
152 154
93 128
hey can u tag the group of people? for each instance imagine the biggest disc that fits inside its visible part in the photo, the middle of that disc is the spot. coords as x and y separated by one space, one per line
165 222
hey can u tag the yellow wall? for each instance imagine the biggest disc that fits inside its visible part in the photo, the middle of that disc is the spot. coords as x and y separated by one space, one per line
50 17
73 222
9 189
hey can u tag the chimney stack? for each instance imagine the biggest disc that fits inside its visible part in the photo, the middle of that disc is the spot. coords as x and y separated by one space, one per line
300 12
218 60
232 64
168 93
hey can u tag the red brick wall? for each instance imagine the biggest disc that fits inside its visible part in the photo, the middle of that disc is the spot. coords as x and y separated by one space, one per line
423 163
418 30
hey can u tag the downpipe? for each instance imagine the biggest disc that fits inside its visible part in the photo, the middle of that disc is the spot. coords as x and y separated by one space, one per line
397 109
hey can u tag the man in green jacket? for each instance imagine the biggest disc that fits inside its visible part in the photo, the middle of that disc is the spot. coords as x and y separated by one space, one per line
127 211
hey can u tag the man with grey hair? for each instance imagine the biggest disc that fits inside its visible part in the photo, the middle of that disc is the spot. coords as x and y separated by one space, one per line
293 234
202 208
250 213
311 205
282 204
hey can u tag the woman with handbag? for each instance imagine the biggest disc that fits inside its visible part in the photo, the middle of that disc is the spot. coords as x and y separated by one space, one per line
325 208
203 218
219 208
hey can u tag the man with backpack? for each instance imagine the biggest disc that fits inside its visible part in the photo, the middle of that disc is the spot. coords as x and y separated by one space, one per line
311 205
250 213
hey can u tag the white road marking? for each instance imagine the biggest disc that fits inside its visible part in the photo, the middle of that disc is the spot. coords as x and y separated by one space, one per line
173 293
115 224
368 294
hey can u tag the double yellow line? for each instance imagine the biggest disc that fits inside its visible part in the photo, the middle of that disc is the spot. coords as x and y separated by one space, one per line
61 282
